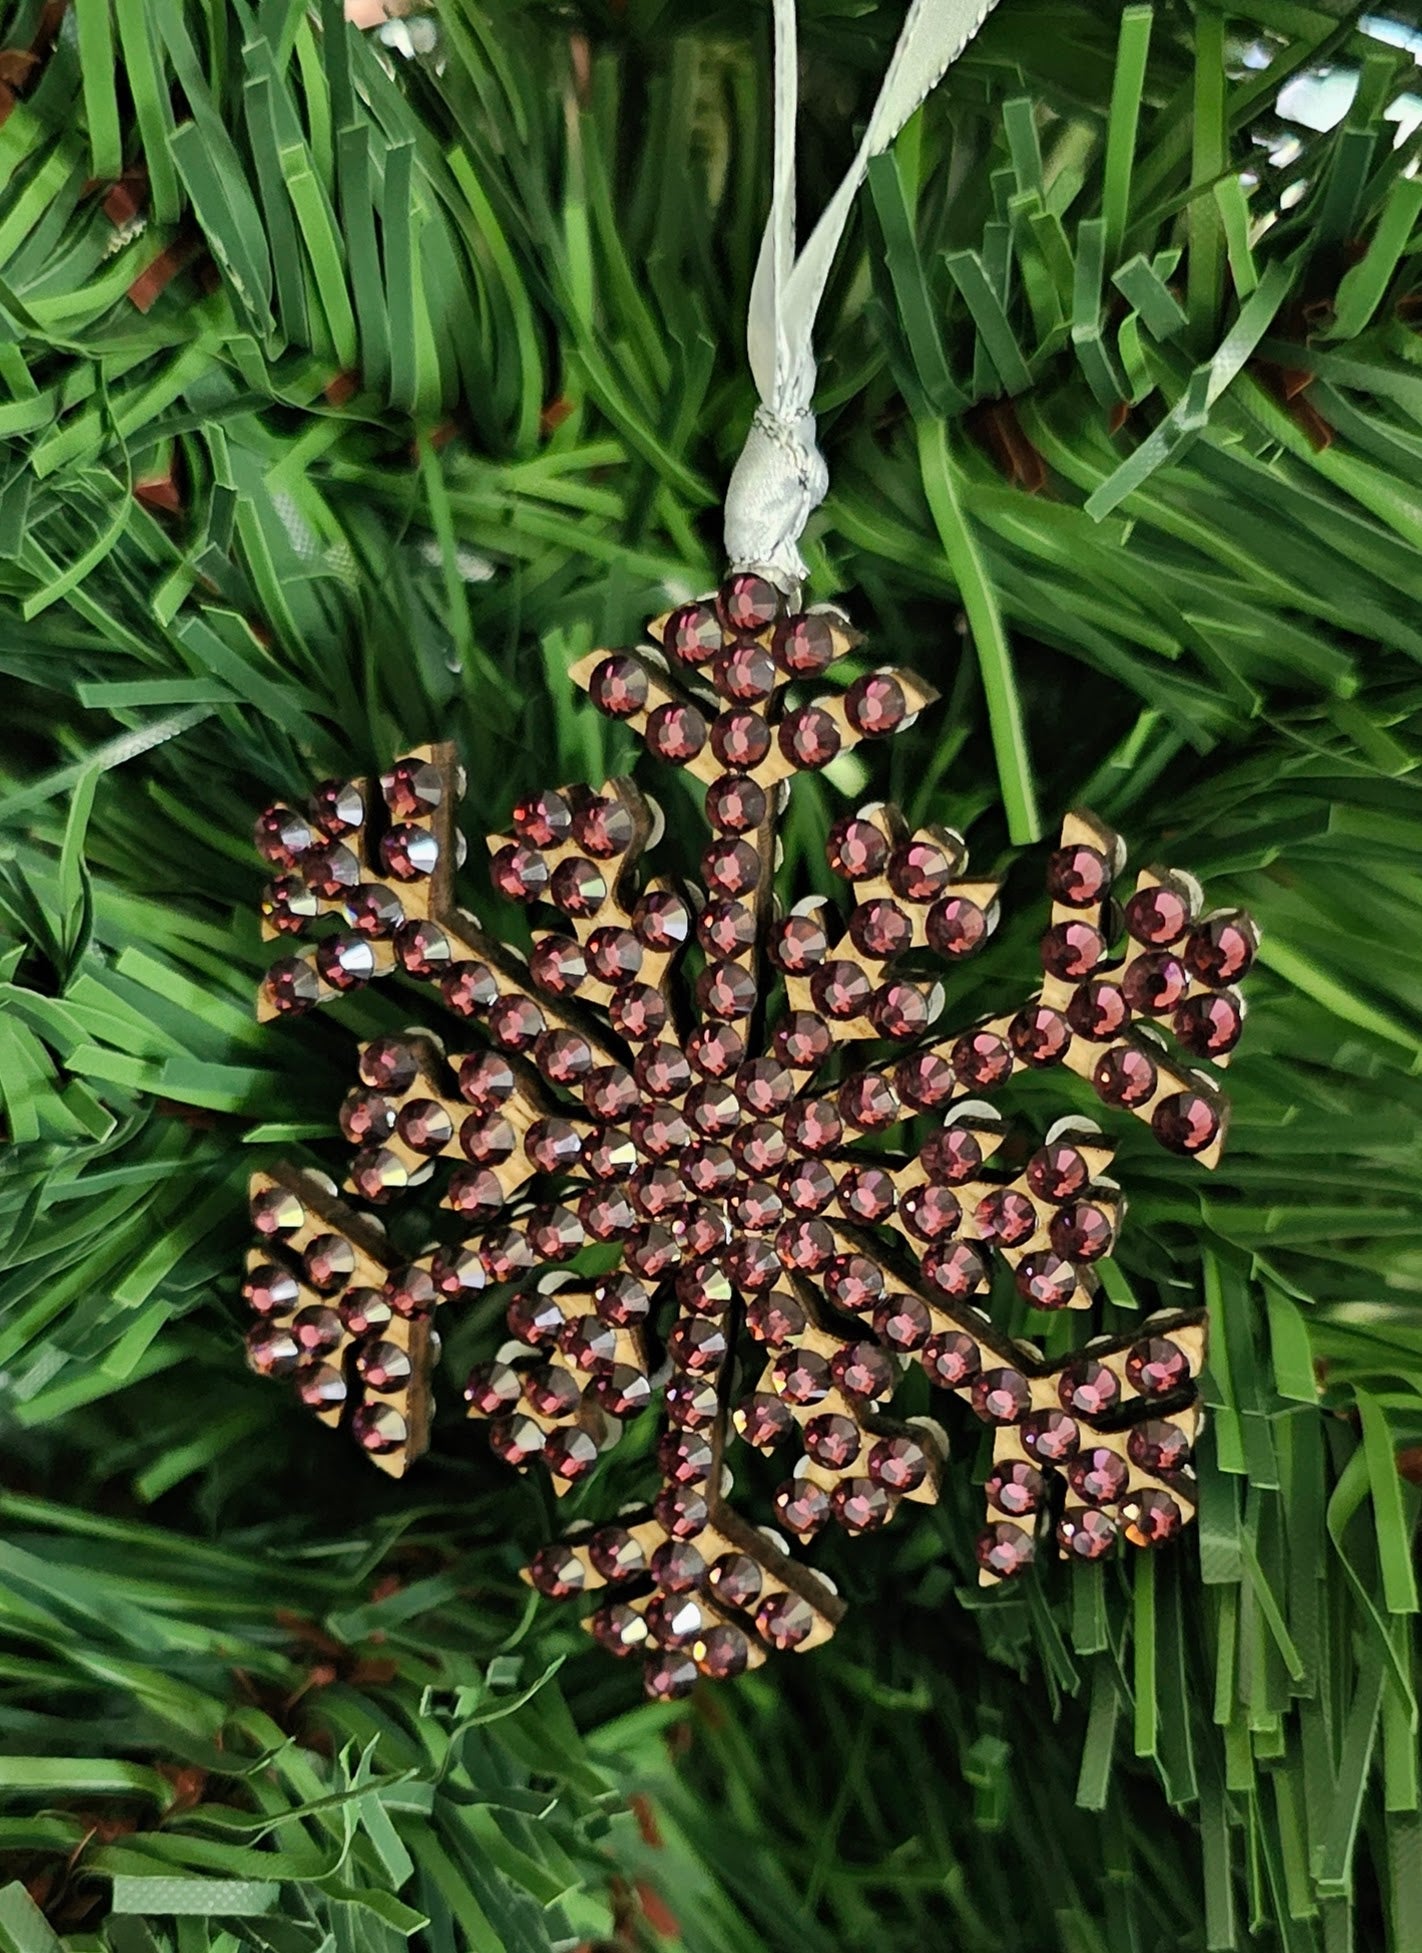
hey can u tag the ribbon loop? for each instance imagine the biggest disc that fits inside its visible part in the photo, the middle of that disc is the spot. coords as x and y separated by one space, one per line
781 478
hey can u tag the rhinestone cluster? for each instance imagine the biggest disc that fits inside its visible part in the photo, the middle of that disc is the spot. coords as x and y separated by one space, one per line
752 1110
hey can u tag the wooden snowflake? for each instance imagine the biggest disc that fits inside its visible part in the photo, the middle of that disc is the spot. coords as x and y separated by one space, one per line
751 1116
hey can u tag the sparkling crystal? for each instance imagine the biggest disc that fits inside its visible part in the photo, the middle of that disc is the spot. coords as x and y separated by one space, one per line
1155 983
1088 1388
801 1040
1157 917
292 985
735 804
1186 1122
982 1059
492 1388
868 1194
726 990
903 1322
1157 1446
1221 948
747 603
1001 1396
832 1440
1046 1281
785 1620
1083 1232
900 1464
676 733
1015 1487
329 1262
745 672
1078 876
868 1102
661 920
808 736
1088 1534
801 1506
861 1505
366 1117
1039 1036
731 867
569 1454
804 646
956 926
856 849
951 1358
669 1676
424 1125
1157 1366
919 870
423 949
814 1125
740 739
409 853
1098 1476
1124 1075
272 1350
1051 1436
373 909
1098 1011
578 887
735 1579
615 1553
876 704
722 1651
692 634
955 1270
863 1370
1072 950
557 1572
381 1429
1006 1218
1151 1518
618 687
602 827
1005 1549
1209 1026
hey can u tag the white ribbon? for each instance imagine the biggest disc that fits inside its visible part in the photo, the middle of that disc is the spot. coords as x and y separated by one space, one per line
781 475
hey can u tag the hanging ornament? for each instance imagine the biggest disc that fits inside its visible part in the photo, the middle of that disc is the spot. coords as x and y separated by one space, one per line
726 1156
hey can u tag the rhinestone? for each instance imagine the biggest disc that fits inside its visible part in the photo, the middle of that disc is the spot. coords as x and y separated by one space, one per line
553 1145
753 1265
1038 1035
951 1155
516 1022
557 1572
456 1272
472 1192
919 870
638 1012
486 1140
721 1652
854 1282
809 737
1152 1518
569 1454
377 1175
802 1040
745 672
676 733
661 920
1046 1281
763 1421
1088 1388
366 1117
602 827
982 1059
785 1620
1005 1549
956 927
618 687
726 990
1077 876
1157 917
411 1292
270 1290
1057 1172
1072 950
775 1319
686 1458
804 645
610 1092
409 853
856 850
732 867
519 873
1001 1396
669 1676
1124 1075
876 704
1098 1476
900 1464
1015 1487
803 1376
1006 1218
347 961
272 1350
802 1506
385 1367
930 1211
1209 1026
715 1050
1083 1232
867 1101
329 1261
505 1255
1098 1011
651 1253
860 1505
422 948
814 1125
373 909
740 739
321 1386
486 1080
832 1440
681 1511
618 1628
615 1553
282 835
863 1370
805 1245
331 870
955 1270
1157 1366
292 985
924 1080
903 1322
899 1010
424 1125
868 1194
1051 1436
1087 1535
764 1085
735 804
609 1156
663 1071
1221 949
1155 983
798 944
380 1429
698 1344
691 634
677 1566
1157 1446
735 1579
552 1392
692 1403
578 887
1186 1123
288 905
747 603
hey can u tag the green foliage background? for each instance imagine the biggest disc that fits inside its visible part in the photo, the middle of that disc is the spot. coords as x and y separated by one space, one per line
441 374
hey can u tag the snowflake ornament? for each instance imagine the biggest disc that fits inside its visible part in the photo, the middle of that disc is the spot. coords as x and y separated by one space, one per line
700 1137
